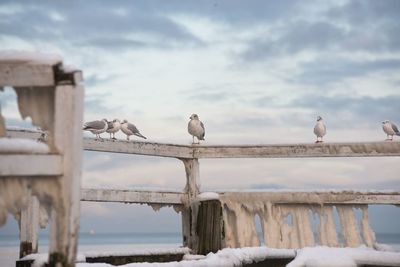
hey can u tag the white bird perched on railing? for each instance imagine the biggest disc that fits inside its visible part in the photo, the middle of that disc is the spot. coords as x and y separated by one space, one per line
196 128
390 129
319 129
130 129
96 127
113 127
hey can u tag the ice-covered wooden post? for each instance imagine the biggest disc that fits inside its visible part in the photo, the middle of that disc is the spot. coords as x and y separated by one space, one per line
53 97
29 227
189 216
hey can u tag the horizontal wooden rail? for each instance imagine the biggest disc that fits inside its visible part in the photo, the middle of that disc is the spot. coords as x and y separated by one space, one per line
320 197
279 196
368 149
138 148
133 196
34 165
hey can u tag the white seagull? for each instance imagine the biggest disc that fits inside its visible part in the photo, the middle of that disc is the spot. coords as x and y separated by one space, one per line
196 128
113 127
96 127
130 129
319 129
390 129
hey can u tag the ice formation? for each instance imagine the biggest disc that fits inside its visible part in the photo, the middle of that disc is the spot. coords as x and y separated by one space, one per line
291 225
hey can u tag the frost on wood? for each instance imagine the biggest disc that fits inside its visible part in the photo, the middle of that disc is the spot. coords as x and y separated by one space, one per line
15 192
291 225
37 103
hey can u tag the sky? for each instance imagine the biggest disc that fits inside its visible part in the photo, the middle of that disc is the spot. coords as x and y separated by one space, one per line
256 72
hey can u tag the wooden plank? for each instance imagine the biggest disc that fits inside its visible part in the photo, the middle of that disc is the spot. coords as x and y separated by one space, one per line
68 120
30 165
138 148
29 227
372 149
133 196
26 75
319 197
367 149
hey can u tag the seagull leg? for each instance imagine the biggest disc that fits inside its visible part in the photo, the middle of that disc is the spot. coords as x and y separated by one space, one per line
127 137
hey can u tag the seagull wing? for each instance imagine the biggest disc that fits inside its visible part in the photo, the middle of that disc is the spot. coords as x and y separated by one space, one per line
98 125
204 130
394 127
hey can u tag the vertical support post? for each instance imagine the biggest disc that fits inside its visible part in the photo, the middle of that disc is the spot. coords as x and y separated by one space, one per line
189 212
209 229
68 142
29 227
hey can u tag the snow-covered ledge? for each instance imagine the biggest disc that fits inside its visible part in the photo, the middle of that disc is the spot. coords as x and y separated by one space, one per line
22 146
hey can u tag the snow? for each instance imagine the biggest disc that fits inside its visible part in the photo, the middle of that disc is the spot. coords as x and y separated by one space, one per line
21 129
20 145
343 257
41 258
183 250
307 257
15 56
224 258
208 196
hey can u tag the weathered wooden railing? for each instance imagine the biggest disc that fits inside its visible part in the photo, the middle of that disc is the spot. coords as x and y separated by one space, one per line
53 97
232 209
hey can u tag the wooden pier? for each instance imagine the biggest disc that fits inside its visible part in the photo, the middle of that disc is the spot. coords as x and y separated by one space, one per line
50 179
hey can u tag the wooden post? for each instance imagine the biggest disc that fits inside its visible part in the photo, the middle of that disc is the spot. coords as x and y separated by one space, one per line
189 213
29 227
209 227
68 142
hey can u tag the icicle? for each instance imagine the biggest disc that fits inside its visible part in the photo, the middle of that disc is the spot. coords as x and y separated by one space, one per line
327 229
270 226
348 224
368 234
301 222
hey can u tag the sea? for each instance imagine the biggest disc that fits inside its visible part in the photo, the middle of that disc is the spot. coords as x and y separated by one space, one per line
123 242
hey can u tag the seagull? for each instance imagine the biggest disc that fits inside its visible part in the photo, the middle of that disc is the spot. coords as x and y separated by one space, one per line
113 127
196 128
130 129
390 129
319 129
96 127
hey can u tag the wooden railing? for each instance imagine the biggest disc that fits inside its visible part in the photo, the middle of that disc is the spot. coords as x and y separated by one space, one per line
190 155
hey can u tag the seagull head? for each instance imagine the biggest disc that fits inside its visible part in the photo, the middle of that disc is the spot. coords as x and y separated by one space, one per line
385 121
105 120
116 120
124 121
194 117
319 118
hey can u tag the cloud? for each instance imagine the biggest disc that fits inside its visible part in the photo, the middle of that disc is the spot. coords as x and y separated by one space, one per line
329 70
95 25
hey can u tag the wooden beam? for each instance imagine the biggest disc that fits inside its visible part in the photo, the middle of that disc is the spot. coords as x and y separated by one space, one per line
30 165
26 75
367 149
319 197
138 148
372 149
133 196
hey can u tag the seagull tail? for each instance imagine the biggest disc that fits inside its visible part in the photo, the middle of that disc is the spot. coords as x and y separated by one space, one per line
140 135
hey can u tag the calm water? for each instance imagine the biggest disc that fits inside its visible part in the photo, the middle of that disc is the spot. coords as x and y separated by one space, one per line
9 244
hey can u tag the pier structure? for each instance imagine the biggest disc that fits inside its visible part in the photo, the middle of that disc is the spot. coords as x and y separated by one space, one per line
48 175
289 218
